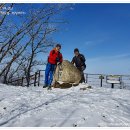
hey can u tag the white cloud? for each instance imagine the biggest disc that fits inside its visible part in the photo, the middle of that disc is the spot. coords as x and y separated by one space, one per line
89 43
94 42
117 64
71 8
113 57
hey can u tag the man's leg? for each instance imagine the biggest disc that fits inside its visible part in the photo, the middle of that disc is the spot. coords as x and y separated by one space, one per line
82 71
51 75
83 78
82 74
47 71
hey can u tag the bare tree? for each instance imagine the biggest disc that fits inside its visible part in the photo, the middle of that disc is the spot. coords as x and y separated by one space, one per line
2 18
35 30
38 45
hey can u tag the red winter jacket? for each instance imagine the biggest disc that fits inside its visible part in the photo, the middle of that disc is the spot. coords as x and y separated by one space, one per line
55 56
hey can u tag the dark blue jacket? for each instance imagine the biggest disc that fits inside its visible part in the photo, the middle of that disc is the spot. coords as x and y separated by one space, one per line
79 61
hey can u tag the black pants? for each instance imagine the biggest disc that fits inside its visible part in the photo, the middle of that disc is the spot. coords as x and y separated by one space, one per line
81 69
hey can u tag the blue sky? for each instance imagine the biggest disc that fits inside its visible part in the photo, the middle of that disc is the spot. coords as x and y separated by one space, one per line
102 34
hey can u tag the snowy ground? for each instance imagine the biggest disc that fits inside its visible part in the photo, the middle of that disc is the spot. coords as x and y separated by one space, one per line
37 107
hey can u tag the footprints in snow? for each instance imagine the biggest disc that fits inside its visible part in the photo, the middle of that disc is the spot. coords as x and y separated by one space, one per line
80 122
4 108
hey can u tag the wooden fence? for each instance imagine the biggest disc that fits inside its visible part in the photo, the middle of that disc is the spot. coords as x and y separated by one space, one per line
92 79
34 80
101 80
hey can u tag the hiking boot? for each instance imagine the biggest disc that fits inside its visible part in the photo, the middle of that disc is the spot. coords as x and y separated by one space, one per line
49 88
44 86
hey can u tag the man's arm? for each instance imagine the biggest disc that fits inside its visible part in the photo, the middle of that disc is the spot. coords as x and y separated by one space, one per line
82 58
61 58
72 61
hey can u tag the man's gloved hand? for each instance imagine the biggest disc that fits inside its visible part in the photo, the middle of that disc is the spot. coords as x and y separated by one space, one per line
82 68
57 59
58 63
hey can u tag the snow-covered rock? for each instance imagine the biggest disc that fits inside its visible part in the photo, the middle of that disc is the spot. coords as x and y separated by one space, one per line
73 107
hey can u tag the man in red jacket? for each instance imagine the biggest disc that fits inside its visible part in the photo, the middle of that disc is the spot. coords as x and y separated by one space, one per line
55 57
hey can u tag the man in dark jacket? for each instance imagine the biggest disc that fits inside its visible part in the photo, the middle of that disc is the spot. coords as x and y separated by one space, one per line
79 61
55 57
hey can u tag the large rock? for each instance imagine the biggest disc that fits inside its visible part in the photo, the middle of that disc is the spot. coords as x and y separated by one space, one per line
66 74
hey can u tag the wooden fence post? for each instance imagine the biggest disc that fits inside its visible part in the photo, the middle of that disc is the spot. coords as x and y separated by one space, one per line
101 82
22 81
39 77
35 79
86 78
101 77
121 85
18 82
112 85
28 82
